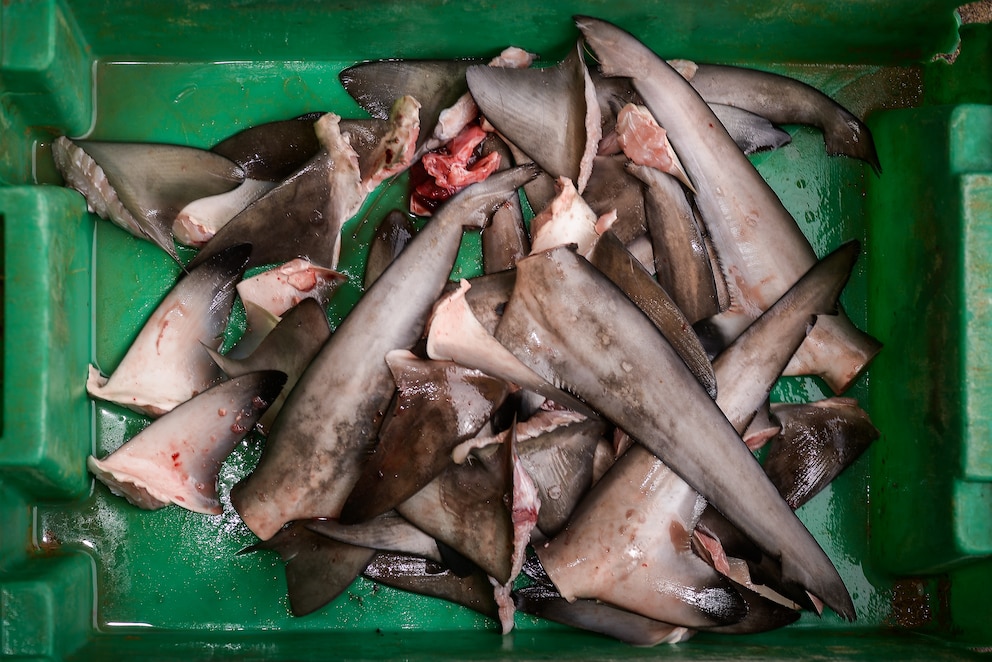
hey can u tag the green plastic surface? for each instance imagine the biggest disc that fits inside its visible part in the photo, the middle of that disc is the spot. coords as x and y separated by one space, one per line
83 575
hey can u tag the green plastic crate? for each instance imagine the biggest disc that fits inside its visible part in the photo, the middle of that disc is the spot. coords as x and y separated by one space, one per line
85 576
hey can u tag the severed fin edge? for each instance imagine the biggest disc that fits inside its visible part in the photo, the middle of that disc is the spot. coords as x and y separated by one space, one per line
551 112
141 187
177 458
165 366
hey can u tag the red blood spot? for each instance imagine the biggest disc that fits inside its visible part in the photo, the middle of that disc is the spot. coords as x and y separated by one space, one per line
442 173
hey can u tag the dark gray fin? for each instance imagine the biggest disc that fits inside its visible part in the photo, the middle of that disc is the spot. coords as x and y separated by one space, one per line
318 569
391 236
785 100
615 261
681 263
274 150
594 616
177 458
505 240
440 404
423 577
142 187
468 508
752 133
817 442
166 364
386 533
436 84
612 187
544 112
289 347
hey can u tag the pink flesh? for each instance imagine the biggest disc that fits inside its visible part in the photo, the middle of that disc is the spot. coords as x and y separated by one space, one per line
526 504
198 221
279 289
718 557
567 220
453 168
452 120
646 143
396 151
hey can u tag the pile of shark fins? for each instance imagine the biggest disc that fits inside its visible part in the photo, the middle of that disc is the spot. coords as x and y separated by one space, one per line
568 435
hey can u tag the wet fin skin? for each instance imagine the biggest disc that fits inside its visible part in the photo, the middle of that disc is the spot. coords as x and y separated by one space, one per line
628 544
330 419
142 187
506 239
273 151
177 458
817 442
560 462
318 569
302 216
763 615
759 355
612 187
617 367
748 369
439 405
420 576
681 263
456 335
551 114
784 100
752 133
